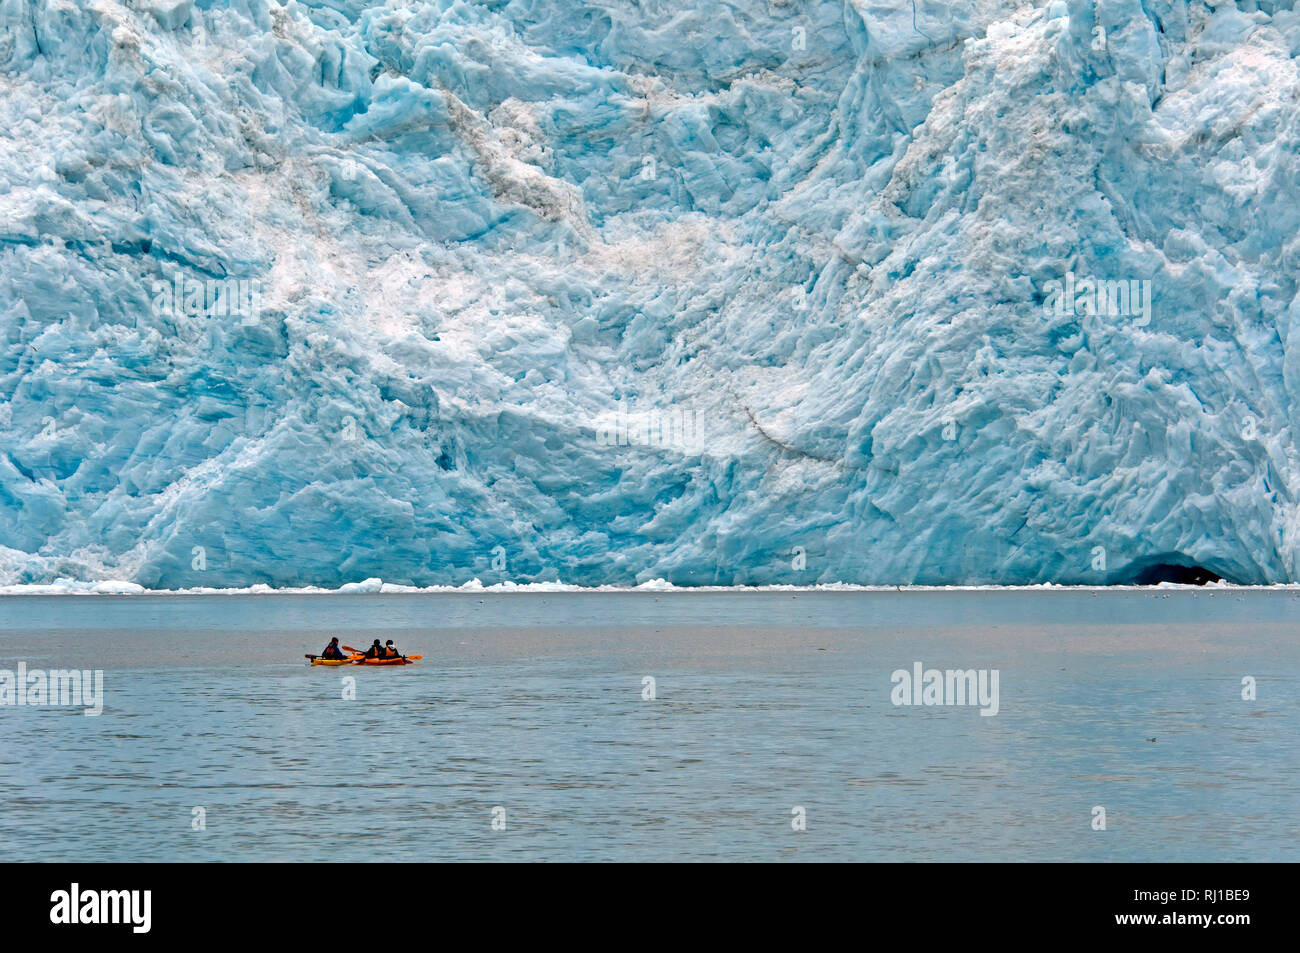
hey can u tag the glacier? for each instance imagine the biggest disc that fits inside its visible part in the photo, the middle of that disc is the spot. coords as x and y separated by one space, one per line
755 292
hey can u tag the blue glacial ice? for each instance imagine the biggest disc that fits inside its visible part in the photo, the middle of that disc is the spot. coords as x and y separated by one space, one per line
721 293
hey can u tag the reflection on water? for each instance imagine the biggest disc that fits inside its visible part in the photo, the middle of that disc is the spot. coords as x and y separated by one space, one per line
764 702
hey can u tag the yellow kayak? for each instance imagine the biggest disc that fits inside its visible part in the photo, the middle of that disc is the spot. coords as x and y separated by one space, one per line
317 660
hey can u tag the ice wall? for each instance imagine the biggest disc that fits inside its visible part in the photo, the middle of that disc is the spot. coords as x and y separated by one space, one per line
745 292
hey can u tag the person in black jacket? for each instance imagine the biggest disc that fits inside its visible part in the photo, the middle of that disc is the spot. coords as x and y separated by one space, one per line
375 651
390 650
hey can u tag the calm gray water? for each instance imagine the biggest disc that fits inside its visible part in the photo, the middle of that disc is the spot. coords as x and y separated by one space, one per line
764 702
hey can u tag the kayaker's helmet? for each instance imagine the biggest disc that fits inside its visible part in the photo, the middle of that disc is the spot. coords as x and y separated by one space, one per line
389 642
334 640
376 641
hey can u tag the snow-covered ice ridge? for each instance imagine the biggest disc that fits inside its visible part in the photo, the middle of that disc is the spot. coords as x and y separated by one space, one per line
367 587
755 292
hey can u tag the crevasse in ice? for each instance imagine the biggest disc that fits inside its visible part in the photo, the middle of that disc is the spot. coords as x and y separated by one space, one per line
746 292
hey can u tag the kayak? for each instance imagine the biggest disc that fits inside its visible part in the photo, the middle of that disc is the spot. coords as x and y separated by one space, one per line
317 660
359 660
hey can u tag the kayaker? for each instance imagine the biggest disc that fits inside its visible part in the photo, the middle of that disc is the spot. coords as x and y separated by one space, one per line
332 651
390 651
375 651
